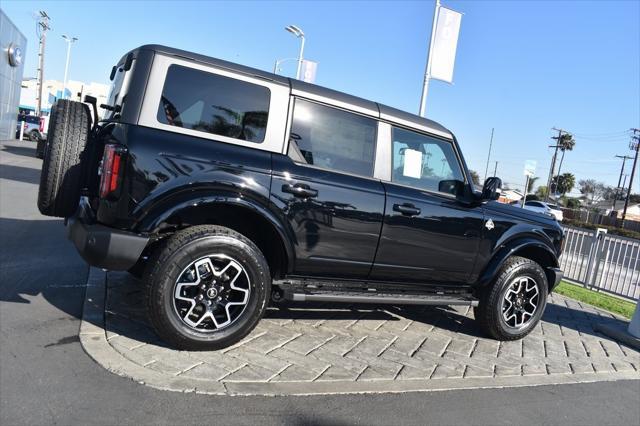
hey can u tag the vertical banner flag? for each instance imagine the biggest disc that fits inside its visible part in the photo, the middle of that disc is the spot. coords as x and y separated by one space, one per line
309 69
445 44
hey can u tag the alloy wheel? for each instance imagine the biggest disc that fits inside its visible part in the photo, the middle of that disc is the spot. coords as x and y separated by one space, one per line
520 302
211 293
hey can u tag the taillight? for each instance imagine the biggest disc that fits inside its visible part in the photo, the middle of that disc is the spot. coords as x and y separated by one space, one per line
41 124
111 171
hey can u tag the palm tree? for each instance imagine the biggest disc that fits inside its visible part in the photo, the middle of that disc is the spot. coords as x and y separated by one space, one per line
565 143
564 183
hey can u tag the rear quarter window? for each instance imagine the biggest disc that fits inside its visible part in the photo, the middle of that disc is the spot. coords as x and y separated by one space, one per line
211 103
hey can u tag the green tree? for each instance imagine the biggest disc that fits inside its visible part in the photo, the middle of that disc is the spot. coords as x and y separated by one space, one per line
532 182
563 183
475 177
565 143
572 203
541 192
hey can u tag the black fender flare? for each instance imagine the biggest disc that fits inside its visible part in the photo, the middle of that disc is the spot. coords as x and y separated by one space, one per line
513 247
172 206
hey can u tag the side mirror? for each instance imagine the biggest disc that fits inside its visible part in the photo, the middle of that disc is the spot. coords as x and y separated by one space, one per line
453 187
492 188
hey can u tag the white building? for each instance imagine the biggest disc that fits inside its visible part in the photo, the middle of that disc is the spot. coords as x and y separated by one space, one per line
53 90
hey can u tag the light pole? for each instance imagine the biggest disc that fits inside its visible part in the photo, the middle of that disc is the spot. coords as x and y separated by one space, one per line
279 61
69 41
296 31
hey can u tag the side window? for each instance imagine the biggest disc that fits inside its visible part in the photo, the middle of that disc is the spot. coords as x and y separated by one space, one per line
423 162
331 138
198 100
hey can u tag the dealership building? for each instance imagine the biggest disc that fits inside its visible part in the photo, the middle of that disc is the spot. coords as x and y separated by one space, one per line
13 44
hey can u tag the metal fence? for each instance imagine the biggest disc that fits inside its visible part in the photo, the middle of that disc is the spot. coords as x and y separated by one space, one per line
602 262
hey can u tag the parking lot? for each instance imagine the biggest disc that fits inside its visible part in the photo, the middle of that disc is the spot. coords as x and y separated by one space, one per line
318 350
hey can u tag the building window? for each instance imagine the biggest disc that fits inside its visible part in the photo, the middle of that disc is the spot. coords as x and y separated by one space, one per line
199 100
332 139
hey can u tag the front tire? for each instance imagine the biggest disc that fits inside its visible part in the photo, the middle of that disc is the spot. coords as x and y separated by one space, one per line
207 288
513 305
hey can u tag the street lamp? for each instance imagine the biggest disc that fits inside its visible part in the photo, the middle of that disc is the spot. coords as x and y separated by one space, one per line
69 41
296 31
276 66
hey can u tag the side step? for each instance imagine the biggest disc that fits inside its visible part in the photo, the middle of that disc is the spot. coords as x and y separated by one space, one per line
378 298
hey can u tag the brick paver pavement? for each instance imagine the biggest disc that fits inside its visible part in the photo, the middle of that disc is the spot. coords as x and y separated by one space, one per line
319 342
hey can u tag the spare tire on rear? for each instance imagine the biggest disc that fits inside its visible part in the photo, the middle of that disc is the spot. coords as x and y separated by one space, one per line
60 180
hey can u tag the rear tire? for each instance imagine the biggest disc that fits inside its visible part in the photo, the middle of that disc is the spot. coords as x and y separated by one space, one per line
40 148
60 180
206 288
513 305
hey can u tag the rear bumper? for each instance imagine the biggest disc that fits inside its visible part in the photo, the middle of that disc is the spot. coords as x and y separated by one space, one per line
101 246
555 276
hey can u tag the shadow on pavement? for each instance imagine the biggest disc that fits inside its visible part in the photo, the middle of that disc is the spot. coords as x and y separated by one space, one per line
128 315
36 259
26 151
20 174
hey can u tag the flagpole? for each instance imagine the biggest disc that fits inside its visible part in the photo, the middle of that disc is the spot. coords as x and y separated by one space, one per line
427 72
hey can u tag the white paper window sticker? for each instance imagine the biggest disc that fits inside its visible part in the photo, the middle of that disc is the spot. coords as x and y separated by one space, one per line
412 163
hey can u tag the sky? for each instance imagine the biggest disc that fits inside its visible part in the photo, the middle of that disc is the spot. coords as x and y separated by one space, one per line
522 67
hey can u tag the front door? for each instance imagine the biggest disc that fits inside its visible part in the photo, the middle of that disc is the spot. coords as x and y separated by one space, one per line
326 191
428 235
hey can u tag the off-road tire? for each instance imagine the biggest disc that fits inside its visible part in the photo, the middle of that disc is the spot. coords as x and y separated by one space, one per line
167 263
40 148
488 313
60 180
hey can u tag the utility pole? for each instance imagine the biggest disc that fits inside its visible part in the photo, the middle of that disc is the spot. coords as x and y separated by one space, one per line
624 160
42 28
489 155
635 146
553 161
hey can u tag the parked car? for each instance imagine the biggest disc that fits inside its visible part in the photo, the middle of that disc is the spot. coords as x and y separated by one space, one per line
35 130
225 187
545 208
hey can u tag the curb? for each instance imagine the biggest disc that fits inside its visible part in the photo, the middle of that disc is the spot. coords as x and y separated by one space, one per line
94 341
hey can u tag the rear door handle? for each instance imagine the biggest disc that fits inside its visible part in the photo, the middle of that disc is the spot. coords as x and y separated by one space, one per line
406 209
300 190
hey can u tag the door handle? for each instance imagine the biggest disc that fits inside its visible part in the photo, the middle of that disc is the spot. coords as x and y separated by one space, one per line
406 209
300 190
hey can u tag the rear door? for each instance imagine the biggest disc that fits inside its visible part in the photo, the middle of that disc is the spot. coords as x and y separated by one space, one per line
428 234
325 189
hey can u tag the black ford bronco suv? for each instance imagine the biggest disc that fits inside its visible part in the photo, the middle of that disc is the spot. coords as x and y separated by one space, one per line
225 187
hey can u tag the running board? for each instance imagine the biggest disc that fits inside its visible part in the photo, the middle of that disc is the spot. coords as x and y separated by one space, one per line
378 298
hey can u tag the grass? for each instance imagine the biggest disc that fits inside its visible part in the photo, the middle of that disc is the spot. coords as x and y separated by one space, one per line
600 300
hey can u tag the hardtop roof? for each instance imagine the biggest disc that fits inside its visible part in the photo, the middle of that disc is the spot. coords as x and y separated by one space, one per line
384 112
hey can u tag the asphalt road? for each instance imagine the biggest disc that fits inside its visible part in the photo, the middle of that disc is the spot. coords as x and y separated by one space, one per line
46 378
